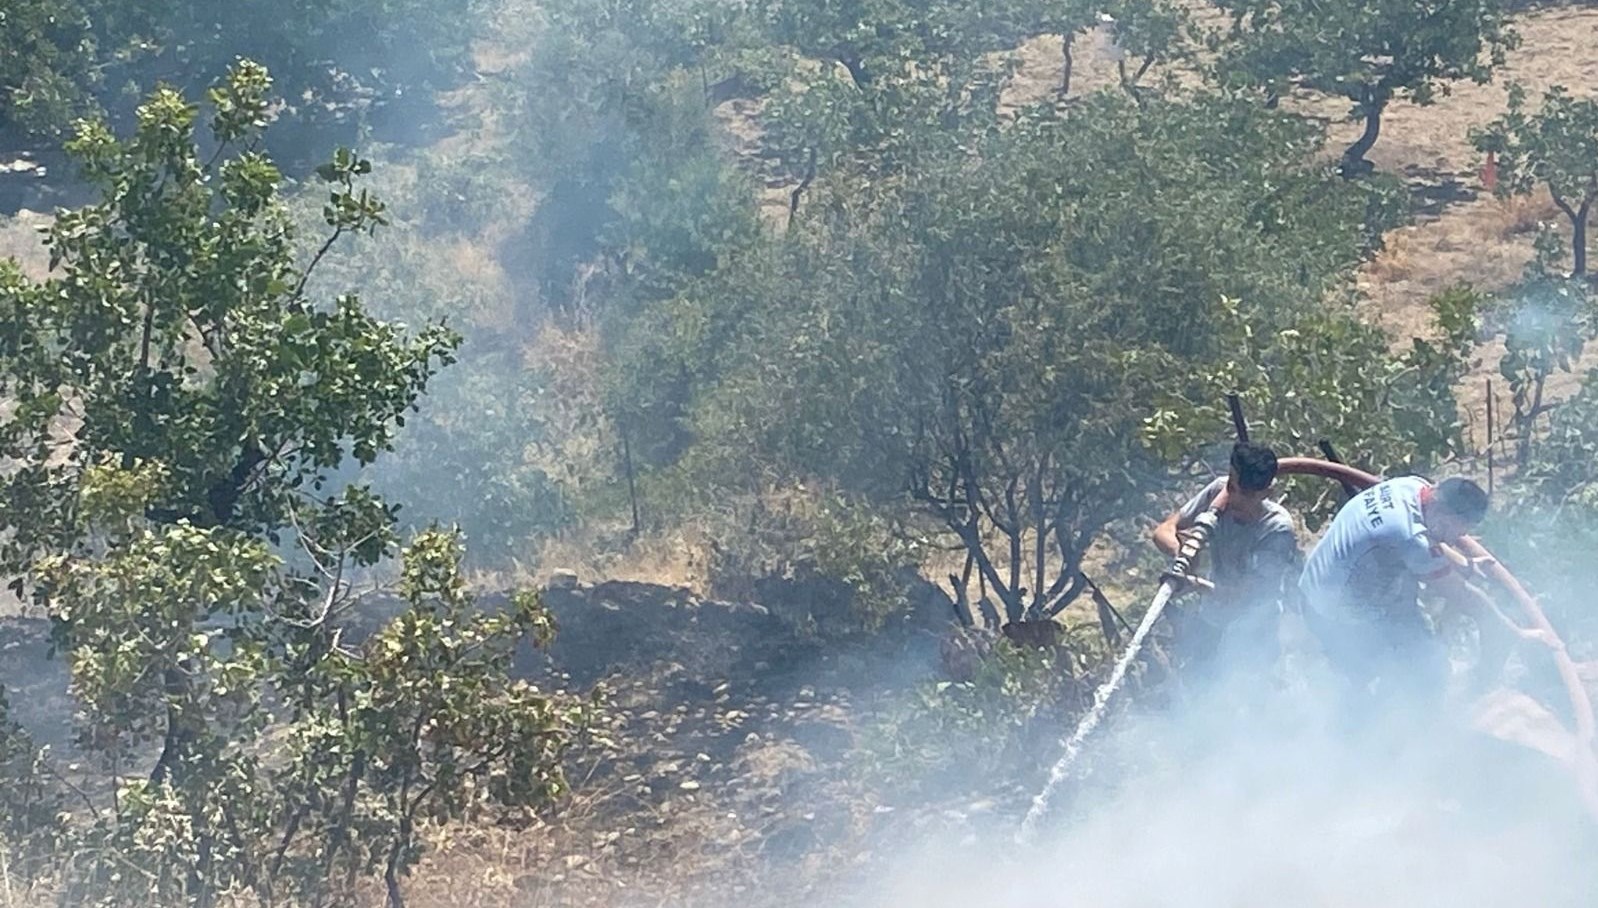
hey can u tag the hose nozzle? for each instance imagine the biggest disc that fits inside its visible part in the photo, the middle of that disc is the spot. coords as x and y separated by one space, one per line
1192 541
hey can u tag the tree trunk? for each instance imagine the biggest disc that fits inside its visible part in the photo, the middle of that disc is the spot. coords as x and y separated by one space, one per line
1578 232
1065 55
176 741
396 896
632 486
1373 105
990 615
1528 420
804 184
962 598
1130 83
1578 240
856 68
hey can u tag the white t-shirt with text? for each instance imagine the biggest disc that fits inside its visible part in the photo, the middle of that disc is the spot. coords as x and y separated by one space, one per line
1373 556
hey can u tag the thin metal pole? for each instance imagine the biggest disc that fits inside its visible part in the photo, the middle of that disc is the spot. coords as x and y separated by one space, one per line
1239 423
1491 466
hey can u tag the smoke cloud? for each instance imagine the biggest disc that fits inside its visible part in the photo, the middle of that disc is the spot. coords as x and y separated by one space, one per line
1246 797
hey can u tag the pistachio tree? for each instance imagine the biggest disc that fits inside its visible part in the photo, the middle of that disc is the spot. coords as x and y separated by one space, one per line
982 343
177 407
1366 51
1556 146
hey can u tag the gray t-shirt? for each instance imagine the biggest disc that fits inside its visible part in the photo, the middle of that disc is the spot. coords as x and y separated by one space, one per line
1250 562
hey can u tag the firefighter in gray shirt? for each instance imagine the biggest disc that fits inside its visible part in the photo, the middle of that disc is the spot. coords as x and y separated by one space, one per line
1253 557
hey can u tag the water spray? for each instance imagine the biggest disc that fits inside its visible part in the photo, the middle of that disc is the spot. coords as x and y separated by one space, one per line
1584 761
1177 576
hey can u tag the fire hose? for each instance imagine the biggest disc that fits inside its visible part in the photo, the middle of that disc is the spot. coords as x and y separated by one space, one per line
1584 760
1192 542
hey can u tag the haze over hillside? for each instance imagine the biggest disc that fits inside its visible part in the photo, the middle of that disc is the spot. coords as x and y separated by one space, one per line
645 452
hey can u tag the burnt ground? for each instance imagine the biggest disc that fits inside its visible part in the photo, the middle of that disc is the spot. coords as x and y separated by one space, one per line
733 758
729 766
734 761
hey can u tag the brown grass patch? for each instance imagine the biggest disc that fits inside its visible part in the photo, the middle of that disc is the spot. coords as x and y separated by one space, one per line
1523 214
20 240
675 558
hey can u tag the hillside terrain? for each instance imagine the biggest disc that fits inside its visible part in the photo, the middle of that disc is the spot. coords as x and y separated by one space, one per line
818 811
743 754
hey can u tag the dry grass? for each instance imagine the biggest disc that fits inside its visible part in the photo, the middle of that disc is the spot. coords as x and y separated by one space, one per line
20 240
676 558
1486 242
579 447
666 812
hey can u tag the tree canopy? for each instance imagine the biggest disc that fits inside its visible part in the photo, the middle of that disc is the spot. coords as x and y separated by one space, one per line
1556 147
177 404
1368 51
60 59
989 339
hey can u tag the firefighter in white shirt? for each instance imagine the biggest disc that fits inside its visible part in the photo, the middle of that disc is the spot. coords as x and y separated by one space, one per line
1361 584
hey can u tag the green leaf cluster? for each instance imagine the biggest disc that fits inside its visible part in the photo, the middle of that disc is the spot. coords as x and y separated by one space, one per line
179 406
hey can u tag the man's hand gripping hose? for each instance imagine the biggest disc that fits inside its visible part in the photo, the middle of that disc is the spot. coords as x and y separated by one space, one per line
1179 574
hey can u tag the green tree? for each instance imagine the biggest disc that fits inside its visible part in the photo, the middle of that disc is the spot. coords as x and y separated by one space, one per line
1545 322
1328 375
878 37
32 800
905 83
45 63
984 341
336 59
615 129
1550 519
178 405
1368 51
1557 147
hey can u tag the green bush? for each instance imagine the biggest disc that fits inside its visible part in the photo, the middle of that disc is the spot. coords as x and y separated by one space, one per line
181 407
962 736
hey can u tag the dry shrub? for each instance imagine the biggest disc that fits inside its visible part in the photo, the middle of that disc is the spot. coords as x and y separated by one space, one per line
823 561
677 558
1393 264
579 450
1519 215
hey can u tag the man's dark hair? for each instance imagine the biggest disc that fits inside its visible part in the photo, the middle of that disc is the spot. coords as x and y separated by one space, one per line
1463 498
1253 465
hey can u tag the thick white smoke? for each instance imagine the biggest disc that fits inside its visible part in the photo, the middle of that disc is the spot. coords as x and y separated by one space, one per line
1251 797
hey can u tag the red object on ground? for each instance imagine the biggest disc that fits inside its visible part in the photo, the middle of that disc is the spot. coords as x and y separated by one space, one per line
1489 172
